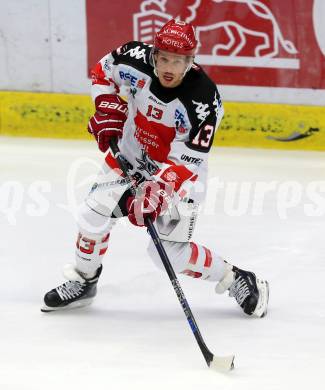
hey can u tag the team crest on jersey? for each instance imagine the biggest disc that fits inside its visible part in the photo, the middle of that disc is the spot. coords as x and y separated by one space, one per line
146 163
180 123
202 111
138 53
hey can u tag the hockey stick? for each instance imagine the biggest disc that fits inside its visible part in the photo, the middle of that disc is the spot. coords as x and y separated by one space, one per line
217 363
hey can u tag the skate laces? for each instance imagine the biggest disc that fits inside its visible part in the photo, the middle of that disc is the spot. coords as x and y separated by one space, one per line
70 290
239 289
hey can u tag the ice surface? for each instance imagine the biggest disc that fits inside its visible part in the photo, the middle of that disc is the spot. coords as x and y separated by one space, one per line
135 335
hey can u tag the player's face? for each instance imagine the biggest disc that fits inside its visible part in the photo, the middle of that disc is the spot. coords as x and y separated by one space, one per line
170 68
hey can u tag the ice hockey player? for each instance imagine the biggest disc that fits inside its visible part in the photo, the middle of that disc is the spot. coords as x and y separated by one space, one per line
165 132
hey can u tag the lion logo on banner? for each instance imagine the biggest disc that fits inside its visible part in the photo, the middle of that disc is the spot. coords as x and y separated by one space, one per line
231 28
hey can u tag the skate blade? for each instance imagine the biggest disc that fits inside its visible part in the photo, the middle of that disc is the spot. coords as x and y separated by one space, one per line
263 300
73 305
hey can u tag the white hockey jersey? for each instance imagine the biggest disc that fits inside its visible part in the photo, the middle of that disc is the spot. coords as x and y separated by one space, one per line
169 131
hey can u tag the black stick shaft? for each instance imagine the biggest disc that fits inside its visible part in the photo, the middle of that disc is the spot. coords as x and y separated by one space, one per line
208 356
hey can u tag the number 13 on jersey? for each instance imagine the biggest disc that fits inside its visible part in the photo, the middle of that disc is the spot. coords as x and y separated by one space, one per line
204 137
154 112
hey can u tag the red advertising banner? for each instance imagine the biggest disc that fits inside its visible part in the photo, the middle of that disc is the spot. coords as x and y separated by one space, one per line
269 43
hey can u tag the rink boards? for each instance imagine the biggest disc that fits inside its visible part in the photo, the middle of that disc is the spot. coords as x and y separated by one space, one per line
276 126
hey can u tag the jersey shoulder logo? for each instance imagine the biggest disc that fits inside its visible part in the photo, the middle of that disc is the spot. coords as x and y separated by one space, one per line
217 102
202 111
137 52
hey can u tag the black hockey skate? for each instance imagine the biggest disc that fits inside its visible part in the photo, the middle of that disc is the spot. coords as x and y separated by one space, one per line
74 293
251 293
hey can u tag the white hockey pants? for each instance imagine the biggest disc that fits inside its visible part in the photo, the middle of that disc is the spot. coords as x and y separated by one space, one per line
106 203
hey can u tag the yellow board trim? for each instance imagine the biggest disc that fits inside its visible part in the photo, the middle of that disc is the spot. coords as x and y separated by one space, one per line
277 126
49 115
